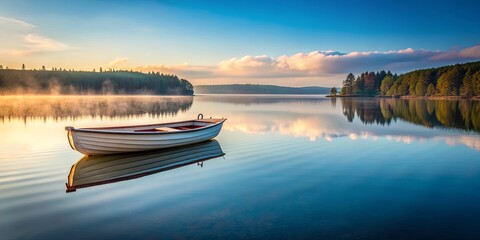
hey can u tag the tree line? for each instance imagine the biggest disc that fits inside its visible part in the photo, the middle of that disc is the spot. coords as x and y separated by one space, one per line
454 80
43 68
14 81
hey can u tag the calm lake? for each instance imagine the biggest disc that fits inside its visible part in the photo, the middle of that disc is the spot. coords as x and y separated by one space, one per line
294 167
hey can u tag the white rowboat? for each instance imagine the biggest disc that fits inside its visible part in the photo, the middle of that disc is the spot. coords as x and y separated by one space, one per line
113 140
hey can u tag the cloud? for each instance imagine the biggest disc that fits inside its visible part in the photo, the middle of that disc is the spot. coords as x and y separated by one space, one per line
183 70
246 64
317 65
467 53
16 22
117 62
472 52
20 41
34 43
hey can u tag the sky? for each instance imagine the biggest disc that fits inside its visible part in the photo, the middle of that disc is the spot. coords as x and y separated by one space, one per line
288 43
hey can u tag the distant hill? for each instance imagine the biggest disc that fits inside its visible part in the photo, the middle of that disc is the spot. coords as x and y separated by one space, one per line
64 82
258 89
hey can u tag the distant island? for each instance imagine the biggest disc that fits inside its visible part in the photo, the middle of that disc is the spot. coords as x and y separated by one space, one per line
460 80
69 82
258 89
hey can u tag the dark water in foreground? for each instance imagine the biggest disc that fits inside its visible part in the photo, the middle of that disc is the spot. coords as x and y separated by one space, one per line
294 167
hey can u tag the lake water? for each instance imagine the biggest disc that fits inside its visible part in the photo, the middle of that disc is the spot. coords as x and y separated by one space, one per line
294 167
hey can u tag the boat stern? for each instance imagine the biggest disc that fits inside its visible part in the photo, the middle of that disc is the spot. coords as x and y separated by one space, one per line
69 130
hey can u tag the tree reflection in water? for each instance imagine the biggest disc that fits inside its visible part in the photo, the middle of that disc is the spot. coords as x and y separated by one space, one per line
460 114
68 107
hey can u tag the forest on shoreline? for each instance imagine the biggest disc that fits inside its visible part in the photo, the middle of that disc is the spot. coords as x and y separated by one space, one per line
462 80
63 82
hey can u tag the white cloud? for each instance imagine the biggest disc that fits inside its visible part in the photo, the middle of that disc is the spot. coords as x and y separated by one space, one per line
20 39
117 62
34 43
246 64
183 70
16 22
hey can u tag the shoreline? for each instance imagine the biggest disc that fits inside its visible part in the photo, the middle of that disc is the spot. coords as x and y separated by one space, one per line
410 97
87 95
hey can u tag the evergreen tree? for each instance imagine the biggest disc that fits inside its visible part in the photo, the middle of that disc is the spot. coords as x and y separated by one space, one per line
378 79
449 83
402 89
387 83
457 78
430 90
355 85
421 87
348 83
333 91
476 83
360 83
23 66
443 85
467 88
370 81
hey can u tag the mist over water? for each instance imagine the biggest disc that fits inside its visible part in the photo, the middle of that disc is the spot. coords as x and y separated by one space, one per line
294 167
64 107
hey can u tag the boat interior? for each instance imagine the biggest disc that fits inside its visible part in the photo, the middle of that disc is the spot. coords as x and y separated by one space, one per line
166 127
169 129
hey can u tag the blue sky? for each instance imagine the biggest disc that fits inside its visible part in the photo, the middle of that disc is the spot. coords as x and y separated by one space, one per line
291 43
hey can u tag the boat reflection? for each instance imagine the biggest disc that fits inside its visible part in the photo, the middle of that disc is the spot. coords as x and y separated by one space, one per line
104 169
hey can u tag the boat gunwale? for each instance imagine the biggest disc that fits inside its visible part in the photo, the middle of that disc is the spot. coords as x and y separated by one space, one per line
106 131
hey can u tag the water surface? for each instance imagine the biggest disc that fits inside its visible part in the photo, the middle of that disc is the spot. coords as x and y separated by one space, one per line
294 167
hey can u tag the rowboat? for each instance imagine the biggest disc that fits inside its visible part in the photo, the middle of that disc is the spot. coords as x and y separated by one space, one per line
103 169
113 140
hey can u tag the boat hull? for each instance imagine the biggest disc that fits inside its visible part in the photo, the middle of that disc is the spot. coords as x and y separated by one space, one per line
104 142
